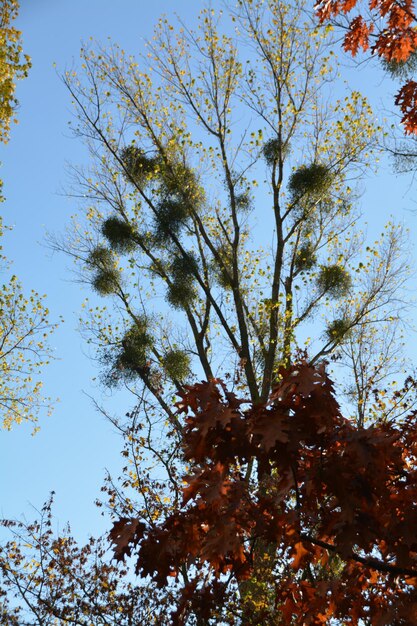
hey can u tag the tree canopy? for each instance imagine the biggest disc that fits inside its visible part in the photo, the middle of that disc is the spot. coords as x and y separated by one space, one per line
221 226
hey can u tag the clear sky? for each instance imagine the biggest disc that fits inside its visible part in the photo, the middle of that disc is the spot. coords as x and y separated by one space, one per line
76 444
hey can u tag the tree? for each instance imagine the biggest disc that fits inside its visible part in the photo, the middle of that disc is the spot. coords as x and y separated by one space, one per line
391 26
169 215
55 580
184 147
24 325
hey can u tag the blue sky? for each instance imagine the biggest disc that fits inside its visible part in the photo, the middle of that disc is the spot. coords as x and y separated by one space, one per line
76 444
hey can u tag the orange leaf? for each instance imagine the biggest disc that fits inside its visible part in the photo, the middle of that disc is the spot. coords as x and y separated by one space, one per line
358 36
300 553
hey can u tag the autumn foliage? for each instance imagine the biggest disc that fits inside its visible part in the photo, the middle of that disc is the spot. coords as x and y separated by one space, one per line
332 509
390 32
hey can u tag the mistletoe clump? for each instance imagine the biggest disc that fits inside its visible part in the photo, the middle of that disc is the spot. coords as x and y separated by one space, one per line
100 257
310 180
178 179
106 277
272 149
135 349
119 233
138 167
105 282
170 217
334 280
338 329
243 201
401 69
181 290
176 364
305 258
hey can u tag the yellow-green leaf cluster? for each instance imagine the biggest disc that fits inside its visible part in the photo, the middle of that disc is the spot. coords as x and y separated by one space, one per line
13 65
24 351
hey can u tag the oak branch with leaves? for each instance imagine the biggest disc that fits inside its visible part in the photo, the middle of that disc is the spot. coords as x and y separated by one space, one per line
330 525
389 29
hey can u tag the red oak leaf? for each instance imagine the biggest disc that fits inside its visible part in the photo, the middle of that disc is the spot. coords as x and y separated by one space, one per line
125 533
